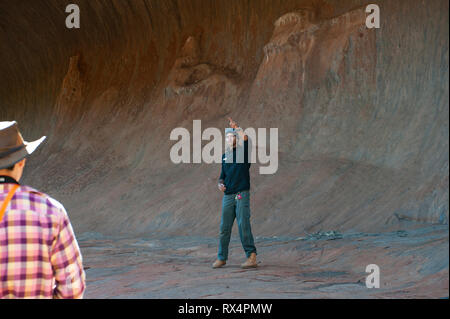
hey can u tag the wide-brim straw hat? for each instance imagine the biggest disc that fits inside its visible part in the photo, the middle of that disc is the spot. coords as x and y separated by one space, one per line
13 148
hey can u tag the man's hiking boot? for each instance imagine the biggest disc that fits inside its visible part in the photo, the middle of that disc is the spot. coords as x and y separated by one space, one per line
219 263
251 262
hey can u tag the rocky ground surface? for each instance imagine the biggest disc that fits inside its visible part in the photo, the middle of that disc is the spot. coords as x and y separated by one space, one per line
302 267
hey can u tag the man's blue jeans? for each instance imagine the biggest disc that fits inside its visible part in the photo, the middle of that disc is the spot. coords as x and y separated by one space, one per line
240 209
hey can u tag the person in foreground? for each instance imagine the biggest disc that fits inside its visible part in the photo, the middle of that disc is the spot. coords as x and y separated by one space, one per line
234 181
39 255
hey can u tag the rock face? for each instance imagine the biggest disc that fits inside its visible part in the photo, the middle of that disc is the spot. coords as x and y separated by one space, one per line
362 118
362 114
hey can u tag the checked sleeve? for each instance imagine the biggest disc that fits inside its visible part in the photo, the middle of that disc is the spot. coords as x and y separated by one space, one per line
66 262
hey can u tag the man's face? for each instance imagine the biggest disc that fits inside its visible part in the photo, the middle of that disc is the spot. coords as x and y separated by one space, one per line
231 139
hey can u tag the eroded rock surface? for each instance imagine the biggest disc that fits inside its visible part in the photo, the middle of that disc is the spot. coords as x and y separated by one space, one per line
363 139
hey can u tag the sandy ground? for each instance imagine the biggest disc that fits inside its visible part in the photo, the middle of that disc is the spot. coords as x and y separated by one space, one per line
180 267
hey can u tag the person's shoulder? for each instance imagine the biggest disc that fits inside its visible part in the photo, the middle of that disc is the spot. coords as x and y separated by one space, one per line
43 198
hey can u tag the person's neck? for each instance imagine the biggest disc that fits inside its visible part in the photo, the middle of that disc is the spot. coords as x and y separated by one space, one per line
9 173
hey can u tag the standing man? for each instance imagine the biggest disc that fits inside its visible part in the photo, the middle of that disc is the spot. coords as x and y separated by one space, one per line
234 181
39 255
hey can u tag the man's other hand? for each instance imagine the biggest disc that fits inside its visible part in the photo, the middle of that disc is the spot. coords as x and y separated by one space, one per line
222 187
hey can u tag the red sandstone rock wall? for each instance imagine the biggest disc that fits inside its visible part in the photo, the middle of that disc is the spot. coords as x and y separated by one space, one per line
362 114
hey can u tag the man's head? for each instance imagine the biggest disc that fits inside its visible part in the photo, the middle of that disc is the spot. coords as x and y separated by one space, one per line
15 171
230 137
14 150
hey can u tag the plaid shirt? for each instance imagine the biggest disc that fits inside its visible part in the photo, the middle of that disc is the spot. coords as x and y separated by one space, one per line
39 255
